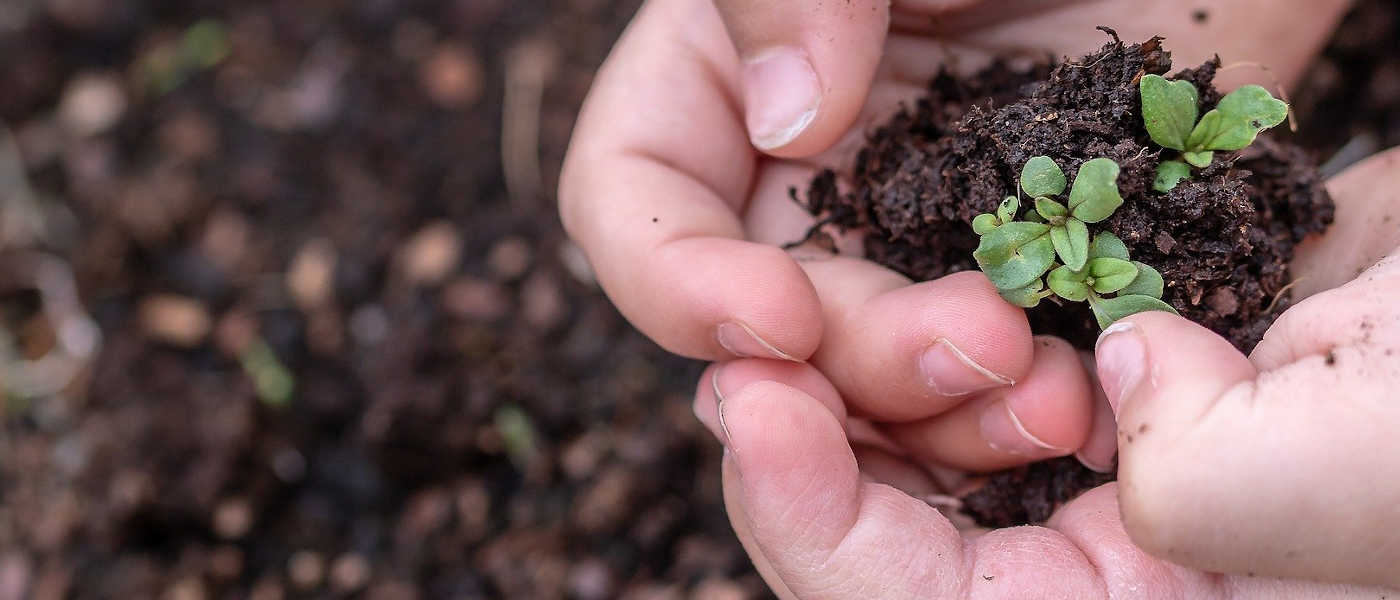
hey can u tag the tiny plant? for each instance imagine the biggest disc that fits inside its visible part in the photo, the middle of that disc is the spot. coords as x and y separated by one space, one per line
1169 110
1053 237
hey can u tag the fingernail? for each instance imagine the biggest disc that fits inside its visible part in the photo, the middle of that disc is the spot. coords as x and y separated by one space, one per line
719 409
707 412
1094 465
1122 359
951 373
1003 431
741 341
781 96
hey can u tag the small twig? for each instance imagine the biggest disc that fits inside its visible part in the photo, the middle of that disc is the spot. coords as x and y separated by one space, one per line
1282 93
1140 154
1079 66
528 70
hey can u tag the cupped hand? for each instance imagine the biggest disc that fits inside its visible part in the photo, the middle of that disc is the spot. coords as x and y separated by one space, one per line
1281 464
1290 451
676 187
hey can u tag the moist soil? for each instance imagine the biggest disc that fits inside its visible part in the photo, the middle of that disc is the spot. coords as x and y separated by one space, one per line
1222 240
160 474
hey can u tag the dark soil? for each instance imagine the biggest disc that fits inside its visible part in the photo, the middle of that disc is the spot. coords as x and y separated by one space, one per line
1222 240
472 418
1031 494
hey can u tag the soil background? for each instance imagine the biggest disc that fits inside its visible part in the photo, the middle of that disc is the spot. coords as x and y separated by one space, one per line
471 418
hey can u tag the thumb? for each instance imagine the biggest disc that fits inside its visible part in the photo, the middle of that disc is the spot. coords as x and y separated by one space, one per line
1286 472
806 67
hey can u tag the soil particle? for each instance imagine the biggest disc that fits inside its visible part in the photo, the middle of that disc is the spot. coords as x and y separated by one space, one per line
349 573
452 77
1031 493
175 320
306 569
431 254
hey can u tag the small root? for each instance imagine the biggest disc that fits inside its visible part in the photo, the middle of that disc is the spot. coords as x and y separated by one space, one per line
1279 295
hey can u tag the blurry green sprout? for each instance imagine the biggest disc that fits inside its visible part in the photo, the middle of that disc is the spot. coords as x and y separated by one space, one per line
518 434
273 382
1053 238
202 46
1169 110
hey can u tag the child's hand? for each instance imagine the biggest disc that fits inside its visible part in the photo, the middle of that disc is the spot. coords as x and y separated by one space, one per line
1284 462
1281 465
682 217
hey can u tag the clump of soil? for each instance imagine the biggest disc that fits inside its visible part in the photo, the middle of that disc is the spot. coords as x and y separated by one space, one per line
1222 240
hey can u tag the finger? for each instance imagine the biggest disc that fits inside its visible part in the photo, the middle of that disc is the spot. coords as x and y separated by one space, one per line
806 67
826 534
879 466
900 352
1101 448
1047 414
1093 523
738 519
656 212
1367 225
1036 26
721 378
728 377
816 530
1226 468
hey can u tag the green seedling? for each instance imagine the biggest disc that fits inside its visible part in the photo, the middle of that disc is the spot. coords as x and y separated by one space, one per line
1169 110
1013 253
1016 254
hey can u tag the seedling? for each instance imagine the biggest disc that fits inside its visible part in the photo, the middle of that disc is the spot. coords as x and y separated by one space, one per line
1016 254
1169 110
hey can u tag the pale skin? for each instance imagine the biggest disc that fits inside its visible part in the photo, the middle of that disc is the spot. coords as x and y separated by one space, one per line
863 394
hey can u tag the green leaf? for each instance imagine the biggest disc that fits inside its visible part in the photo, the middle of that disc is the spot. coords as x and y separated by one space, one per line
1095 194
1112 309
1072 243
1111 274
1015 254
984 223
1170 173
1042 177
272 381
1199 159
1027 296
1006 212
1106 244
1148 282
1168 110
1238 118
1068 284
1033 216
1049 208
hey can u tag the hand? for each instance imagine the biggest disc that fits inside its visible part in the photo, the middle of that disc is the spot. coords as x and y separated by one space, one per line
1281 464
1290 451
681 216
